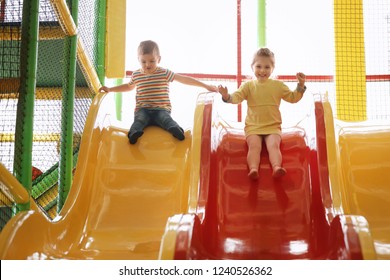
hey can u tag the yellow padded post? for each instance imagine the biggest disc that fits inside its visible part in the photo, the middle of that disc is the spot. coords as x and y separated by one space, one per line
115 39
350 60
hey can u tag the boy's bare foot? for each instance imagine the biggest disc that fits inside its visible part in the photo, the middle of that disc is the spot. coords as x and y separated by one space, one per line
278 172
253 174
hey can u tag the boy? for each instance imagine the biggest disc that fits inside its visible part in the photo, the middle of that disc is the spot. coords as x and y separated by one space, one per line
153 106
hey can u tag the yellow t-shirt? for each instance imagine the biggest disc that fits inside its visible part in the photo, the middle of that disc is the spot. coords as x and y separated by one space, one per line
263 99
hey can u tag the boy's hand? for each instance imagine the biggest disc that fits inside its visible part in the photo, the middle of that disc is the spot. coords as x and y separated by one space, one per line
104 89
211 88
301 79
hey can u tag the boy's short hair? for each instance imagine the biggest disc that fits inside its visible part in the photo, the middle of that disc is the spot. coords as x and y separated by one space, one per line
148 47
265 52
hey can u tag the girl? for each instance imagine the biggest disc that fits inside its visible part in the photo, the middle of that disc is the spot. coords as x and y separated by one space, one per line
263 120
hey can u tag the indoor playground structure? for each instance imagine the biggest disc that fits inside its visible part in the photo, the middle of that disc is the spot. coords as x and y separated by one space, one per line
72 187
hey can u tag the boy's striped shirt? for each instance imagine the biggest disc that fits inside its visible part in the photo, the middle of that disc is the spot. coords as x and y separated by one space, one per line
152 89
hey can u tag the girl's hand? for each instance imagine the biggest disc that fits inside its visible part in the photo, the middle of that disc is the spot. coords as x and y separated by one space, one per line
224 92
301 78
104 89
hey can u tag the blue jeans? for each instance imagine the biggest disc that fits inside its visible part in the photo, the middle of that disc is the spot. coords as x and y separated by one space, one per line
146 117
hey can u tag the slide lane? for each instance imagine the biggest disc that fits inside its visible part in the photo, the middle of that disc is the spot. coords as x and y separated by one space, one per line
359 172
264 219
120 200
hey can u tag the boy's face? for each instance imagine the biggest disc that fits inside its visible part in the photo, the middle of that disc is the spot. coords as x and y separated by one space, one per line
262 68
149 62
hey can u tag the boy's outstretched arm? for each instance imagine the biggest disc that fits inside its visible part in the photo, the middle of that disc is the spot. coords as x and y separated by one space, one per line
120 88
193 82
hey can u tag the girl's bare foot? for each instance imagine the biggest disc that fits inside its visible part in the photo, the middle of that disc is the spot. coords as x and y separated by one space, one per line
278 172
253 174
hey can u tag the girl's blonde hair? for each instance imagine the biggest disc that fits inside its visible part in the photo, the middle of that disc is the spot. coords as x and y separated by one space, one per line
264 52
148 47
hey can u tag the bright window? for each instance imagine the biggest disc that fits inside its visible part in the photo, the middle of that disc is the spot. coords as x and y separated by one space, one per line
201 37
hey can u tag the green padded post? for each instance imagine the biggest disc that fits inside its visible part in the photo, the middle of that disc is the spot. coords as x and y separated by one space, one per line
118 100
101 37
25 109
68 95
261 23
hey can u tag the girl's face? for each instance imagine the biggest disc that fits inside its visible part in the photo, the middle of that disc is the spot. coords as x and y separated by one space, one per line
262 68
149 62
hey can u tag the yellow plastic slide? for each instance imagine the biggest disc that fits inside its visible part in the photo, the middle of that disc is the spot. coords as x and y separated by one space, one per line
359 174
121 197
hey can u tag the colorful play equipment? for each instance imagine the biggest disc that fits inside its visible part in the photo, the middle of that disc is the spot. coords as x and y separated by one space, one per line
94 196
